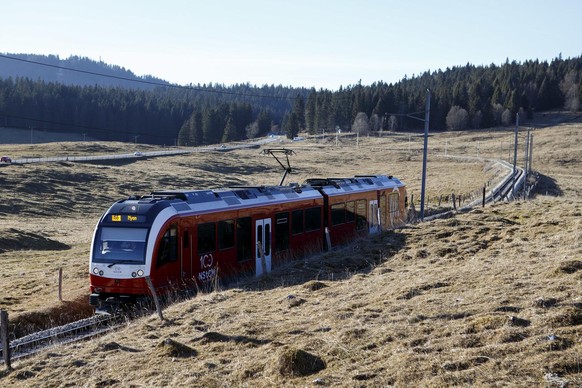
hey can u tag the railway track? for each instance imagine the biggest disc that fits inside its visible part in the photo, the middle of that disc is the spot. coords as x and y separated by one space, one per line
509 187
71 332
506 191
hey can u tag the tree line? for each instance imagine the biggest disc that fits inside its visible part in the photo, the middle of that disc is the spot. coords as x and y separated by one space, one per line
463 97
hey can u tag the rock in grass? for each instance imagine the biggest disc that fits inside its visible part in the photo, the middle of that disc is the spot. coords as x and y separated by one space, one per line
171 348
297 362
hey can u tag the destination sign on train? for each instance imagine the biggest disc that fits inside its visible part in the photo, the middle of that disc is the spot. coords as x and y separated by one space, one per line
127 218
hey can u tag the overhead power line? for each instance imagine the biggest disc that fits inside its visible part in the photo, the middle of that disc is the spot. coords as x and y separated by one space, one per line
142 81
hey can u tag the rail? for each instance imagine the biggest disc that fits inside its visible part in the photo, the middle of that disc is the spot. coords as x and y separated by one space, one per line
71 332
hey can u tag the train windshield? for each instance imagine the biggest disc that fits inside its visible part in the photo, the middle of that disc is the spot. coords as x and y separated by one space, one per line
123 245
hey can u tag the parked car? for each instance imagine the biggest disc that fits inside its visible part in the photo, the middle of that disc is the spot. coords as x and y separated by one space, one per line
5 159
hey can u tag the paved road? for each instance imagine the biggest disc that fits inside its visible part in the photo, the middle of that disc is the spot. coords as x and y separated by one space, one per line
137 155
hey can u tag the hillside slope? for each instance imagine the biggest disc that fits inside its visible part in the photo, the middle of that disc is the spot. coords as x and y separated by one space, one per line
489 297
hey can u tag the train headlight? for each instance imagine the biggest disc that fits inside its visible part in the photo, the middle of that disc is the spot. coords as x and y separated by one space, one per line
96 271
133 274
101 273
140 272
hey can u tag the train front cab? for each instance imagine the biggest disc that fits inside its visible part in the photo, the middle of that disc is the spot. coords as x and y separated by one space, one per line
118 263
125 248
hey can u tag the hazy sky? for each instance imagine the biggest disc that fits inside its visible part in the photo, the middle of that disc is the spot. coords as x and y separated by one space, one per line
320 43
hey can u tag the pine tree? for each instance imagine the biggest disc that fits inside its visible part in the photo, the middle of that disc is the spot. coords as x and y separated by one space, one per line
230 131
184 134
292 126
264 121
212 130
310 108
197 129
299 110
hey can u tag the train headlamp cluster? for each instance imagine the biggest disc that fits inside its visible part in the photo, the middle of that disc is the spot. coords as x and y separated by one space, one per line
98 271
134 274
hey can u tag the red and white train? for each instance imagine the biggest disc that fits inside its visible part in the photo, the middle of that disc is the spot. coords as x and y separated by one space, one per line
179 238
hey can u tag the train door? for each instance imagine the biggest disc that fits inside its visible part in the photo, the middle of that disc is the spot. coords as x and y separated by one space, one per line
186 256
263 240
374 221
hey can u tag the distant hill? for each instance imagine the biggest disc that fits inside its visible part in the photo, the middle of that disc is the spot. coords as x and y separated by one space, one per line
73 95
85 71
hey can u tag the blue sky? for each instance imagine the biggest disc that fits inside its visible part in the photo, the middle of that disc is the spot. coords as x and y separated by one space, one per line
307 43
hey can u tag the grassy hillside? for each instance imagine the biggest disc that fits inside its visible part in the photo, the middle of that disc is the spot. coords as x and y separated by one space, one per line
489 297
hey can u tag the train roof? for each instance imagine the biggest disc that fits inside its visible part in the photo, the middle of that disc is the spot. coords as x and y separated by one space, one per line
237 195
202 201
337 186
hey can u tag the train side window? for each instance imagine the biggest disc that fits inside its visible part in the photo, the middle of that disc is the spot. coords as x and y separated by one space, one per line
225 234
206 238
244 239
338 213
267 239
361 222
185 239
168 250
297 222
313 218
350 211
281 231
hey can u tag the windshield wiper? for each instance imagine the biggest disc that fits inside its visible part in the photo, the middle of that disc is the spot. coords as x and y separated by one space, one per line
122 262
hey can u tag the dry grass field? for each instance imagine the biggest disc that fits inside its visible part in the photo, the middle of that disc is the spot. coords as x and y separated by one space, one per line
491 297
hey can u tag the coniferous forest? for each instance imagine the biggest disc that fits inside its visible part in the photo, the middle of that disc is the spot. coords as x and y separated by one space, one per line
463 97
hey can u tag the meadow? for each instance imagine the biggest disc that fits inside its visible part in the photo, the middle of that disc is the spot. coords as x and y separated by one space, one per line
487 297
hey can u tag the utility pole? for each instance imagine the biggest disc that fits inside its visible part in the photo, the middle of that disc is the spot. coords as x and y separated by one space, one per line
425 152
530 150
515 153
525 163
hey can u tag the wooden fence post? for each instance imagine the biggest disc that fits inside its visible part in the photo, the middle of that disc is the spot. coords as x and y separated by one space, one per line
454 201
155 296
484 196
60 284
4 339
